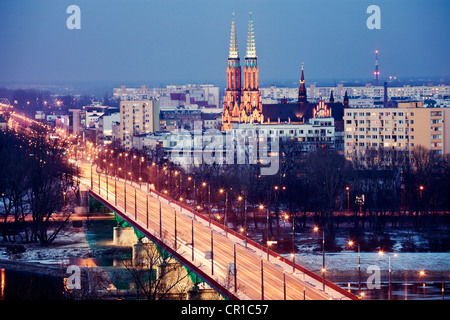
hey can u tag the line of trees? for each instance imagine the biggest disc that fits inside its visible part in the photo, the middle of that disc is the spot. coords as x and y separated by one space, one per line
36 182
390 189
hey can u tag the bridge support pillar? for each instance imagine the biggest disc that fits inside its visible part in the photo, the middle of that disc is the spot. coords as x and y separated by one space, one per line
82 210
174 272
145 252
203 294
84 196
124 236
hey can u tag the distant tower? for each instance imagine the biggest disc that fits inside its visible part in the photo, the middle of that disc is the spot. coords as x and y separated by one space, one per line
302 90
385 99
376 73
345 99
331 97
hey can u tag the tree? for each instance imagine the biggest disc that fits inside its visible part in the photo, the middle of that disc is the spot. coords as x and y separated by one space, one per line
156 275
326 173
35 182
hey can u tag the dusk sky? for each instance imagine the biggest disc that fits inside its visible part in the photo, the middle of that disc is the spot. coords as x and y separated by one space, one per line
187 40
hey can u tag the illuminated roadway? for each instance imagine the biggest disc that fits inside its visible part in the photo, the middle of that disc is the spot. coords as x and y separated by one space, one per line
278 279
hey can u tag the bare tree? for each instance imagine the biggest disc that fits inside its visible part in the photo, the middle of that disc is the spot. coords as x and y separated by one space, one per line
156 275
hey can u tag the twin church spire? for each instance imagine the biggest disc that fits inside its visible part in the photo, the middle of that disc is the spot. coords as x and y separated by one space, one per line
251 49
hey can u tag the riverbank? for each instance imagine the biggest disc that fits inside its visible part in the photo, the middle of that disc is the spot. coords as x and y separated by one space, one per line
86 242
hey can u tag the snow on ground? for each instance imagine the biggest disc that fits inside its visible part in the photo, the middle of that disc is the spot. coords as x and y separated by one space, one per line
67 245
402 261
73 244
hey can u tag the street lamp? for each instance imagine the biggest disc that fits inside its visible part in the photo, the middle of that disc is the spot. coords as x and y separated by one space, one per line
244 229
350 244
380 252
421 188
422 274
268 243
316 229
140 171
348 197
157 179
226 210
195 195
293 244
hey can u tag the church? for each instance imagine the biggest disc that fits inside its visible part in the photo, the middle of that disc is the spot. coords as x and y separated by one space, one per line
243 102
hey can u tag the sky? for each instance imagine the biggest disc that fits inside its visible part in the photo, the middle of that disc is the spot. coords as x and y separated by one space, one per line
186 41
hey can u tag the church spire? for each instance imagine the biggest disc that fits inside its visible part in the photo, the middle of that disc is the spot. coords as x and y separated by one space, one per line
234 54
251 50
302 90
302 79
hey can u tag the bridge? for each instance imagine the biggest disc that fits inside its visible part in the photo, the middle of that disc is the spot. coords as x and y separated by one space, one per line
233 265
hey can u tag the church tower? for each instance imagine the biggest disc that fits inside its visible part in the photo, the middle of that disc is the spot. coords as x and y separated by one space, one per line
251 95
302 90
232 100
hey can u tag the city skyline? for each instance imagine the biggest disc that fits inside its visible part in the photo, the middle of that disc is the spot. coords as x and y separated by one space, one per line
224 150
154 42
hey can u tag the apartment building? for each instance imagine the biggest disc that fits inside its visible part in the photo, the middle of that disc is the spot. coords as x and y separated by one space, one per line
368 91
401 129
316 133
137 117
172 97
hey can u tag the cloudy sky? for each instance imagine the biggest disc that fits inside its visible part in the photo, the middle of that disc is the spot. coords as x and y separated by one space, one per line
156 41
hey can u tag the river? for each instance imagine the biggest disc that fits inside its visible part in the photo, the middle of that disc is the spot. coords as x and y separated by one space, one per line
25 285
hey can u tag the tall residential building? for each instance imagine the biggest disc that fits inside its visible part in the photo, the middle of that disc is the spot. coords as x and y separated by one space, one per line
137 117
400 129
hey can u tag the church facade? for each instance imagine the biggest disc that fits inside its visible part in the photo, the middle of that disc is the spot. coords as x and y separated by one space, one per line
243 102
